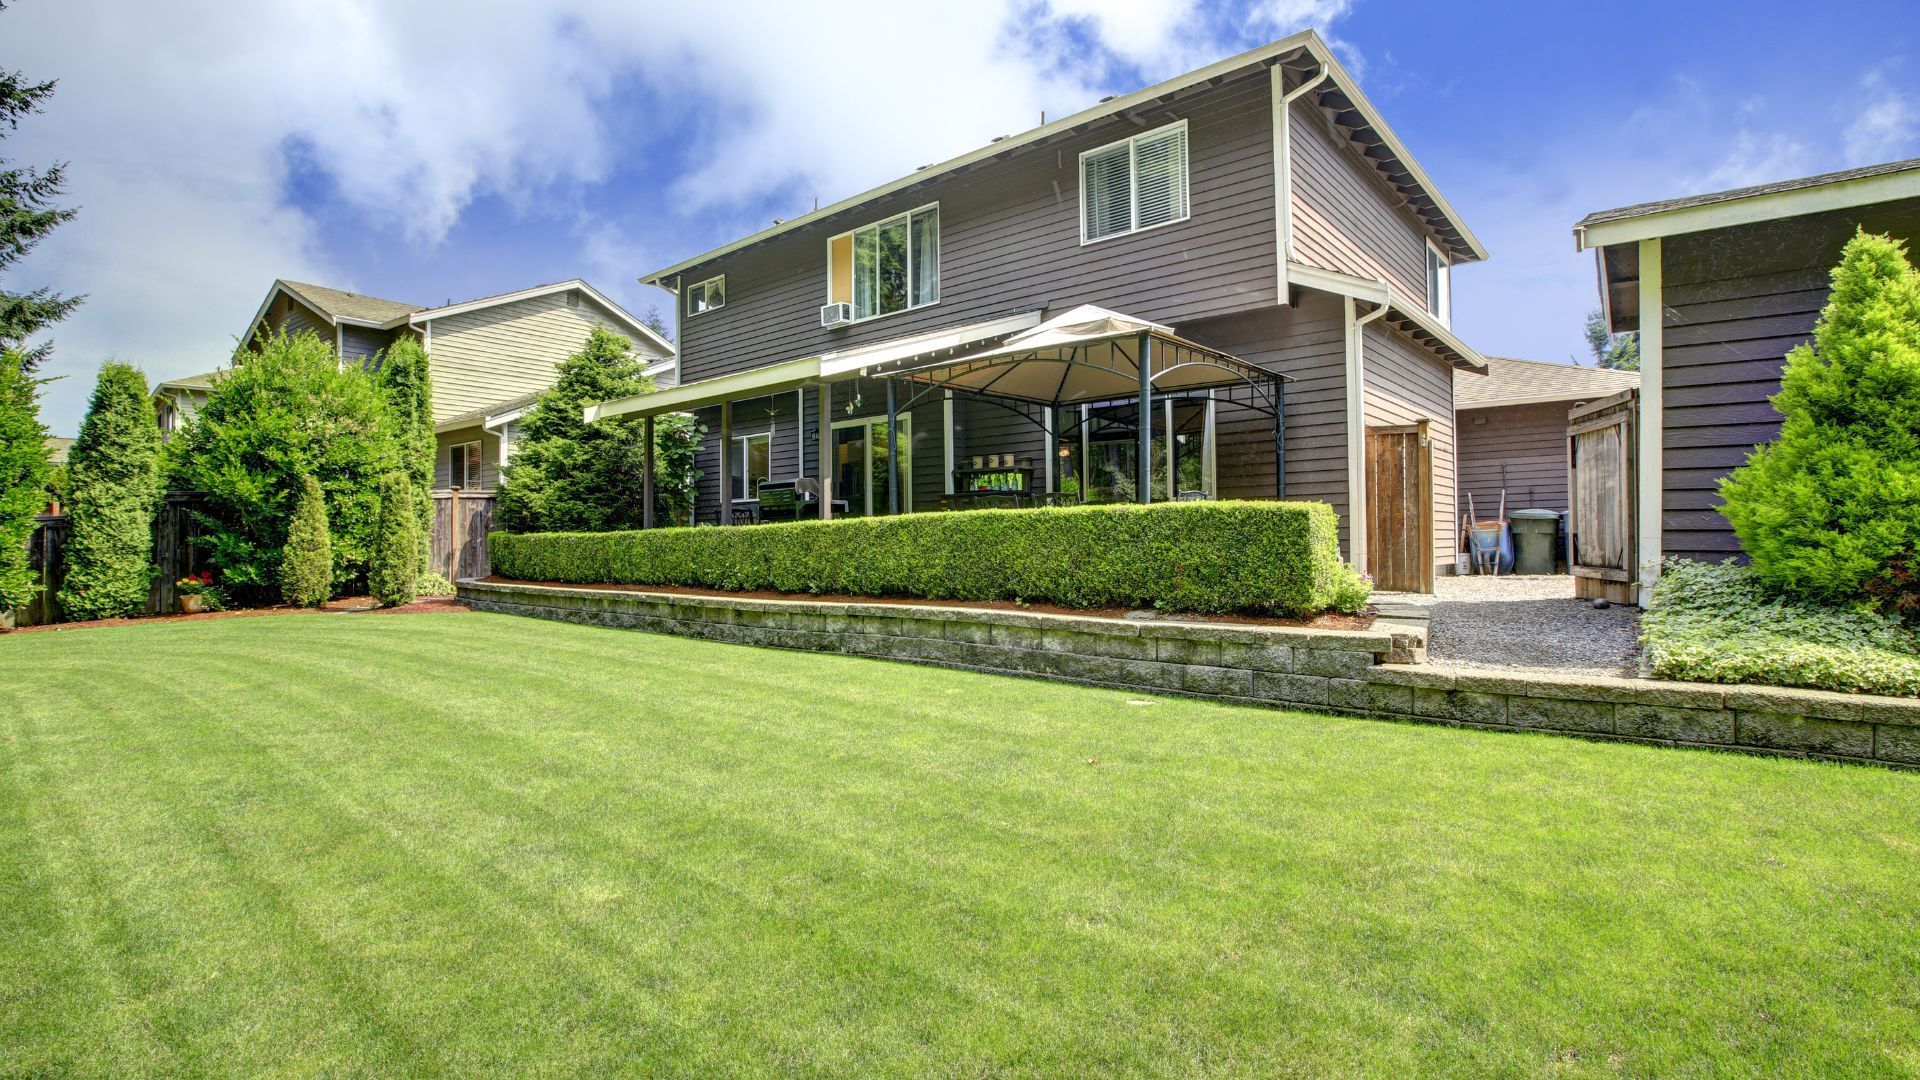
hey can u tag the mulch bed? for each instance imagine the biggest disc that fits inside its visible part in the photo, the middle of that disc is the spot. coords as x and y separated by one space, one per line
346 605
1329 621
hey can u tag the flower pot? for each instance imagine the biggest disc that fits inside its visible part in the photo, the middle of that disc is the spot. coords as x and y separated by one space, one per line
193 604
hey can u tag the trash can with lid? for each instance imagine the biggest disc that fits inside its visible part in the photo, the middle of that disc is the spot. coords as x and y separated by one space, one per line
1533 536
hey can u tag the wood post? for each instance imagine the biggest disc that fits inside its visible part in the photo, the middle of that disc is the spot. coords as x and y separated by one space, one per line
646 512
726 463
826 451
453 535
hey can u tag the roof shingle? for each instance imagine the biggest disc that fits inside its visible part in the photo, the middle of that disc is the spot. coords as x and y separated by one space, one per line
1512 381
345 305
1685 201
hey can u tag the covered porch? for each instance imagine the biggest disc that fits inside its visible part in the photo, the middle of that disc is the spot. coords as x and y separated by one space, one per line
1091 406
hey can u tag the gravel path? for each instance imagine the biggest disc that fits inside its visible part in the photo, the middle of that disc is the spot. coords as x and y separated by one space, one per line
1525 624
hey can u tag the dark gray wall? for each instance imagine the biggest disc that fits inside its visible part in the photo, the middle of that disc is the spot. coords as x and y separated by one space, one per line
1010 240
1519 449
1736 301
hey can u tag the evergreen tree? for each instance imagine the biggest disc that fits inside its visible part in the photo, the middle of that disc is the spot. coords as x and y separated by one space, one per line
289 411
1610 350
1830 511
306 560
409 389
28 212
23 476
113 490
396 544
568 475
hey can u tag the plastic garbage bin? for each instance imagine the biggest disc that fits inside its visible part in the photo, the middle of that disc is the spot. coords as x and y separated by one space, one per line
1533 536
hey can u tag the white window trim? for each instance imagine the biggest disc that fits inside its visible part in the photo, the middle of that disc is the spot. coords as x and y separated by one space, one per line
458 452
911 306
740 457
1186 183
1444 301
701 284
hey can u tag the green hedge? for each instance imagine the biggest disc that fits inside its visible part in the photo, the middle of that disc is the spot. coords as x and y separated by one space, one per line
1201 557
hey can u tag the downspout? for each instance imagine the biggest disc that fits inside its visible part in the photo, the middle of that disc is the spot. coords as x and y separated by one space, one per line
500 450
1357 430
1282 100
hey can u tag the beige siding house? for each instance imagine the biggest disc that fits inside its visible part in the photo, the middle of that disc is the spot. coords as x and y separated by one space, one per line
489 358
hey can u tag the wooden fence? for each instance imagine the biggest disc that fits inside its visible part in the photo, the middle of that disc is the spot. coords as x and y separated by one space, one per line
46 557
174 557
1601 477
474 516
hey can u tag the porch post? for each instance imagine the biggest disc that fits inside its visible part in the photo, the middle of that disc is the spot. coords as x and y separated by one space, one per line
1144 474
1280 438
646 513
826 451
726 463
893 451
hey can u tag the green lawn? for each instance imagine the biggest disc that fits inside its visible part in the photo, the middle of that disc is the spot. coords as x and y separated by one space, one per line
481 844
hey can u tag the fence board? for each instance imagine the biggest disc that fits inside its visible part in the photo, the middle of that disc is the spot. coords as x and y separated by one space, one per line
1600 449
476 520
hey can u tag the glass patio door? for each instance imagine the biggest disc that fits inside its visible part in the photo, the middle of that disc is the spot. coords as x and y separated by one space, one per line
860 465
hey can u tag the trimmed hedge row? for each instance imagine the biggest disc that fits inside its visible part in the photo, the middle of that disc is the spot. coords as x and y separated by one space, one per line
1202 557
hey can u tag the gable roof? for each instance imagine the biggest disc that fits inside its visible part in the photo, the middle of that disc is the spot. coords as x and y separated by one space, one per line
645 334
1338 92
339 306
1512 381
1759 202
203 381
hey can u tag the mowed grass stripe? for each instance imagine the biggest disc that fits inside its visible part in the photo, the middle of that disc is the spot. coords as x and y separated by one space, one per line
484 844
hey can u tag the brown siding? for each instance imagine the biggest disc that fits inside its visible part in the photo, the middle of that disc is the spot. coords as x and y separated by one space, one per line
1345 217
1010 240
1518 449
1406 385
1736 301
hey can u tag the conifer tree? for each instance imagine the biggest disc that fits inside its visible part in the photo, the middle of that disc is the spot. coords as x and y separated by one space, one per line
306 563
113 487
23 476
396 543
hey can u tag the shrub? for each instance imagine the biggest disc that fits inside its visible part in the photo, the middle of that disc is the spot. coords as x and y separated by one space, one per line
306 559
114 486
404 379
433 585
569 475
1720 623
1831 510
396 544
23 477
285 412
1202 557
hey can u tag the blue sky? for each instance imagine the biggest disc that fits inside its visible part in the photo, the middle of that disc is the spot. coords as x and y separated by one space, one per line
428 151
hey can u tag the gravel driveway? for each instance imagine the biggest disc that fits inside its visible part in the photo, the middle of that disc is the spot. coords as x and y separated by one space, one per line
1524 624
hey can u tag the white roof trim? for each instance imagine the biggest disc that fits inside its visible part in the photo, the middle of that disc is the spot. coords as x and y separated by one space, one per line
420 317
1534 399
1306 39
1375 291
1768 206
852 360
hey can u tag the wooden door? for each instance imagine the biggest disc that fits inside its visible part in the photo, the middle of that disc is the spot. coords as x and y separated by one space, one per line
1400 508
1600 461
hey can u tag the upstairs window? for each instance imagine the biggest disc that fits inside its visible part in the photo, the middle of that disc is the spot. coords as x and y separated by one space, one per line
888 266
708 295
1135 184
1439 285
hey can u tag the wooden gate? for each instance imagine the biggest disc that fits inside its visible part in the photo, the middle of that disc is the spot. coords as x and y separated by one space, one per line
474 515
1603 483
46 557
1400 508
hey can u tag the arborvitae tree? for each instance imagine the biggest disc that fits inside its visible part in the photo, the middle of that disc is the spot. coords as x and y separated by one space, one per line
1830 511
306 561
570 475
396 543
23 476
114 485
28 212
403 375
288 411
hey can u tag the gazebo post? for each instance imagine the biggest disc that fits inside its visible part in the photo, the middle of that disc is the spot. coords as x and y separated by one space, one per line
1280 438
646 512
826 451
1145 473
893 451
726 463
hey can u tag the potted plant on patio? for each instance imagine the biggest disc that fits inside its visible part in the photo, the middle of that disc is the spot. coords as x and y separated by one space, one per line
198 593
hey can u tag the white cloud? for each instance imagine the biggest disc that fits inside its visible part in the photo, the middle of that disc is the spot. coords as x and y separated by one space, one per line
1884 126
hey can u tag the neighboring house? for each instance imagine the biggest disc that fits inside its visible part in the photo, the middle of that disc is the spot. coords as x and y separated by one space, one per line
57 448
487 358
1738 279
1248 222
1512 429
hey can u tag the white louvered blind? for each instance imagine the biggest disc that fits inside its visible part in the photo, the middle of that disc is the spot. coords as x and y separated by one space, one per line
1135 184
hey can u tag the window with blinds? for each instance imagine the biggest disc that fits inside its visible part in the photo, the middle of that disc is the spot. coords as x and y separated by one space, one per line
1134 184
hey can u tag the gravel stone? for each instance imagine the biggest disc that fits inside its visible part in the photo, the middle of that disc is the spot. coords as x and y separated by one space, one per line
1516 623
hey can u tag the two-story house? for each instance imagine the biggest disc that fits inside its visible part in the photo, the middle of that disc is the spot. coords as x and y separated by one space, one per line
1233 284
488 358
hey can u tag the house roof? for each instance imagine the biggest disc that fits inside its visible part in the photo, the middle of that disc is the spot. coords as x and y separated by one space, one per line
1339 94
1759 202
1512 381
203 381
337 305
57 447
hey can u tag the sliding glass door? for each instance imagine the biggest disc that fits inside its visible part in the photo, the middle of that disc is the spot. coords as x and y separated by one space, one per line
860 465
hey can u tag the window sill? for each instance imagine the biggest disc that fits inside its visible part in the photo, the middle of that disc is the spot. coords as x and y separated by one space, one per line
850 323
1084 242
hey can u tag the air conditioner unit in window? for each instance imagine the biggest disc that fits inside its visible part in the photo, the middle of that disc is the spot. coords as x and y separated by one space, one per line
835 314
